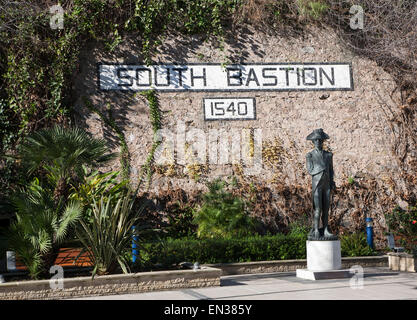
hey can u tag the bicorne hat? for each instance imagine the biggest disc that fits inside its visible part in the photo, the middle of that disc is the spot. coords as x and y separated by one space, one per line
318 134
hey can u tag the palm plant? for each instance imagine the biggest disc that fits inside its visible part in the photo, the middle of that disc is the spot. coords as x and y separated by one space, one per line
222 215
44 215
108 237
40 227
61 153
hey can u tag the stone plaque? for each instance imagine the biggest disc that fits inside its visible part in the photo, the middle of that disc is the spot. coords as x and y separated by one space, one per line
229 109
218 77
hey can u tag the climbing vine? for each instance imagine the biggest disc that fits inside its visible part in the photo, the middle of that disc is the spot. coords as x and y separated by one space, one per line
109 121
38 63
155 118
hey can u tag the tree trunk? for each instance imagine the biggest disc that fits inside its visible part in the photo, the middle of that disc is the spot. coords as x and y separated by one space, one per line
48 260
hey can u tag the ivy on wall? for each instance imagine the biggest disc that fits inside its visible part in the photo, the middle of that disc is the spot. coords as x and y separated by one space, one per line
155 118
37 62
109 121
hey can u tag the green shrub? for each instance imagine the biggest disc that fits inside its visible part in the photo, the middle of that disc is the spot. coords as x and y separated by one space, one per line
312 9
300 227
94 186
355 245
41 227
180 222
403 223
61 153
107 239
222 215
256 248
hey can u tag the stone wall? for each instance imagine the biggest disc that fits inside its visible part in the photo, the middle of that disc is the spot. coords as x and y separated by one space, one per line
357 121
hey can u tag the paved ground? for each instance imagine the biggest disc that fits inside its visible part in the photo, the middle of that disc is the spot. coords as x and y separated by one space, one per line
377 283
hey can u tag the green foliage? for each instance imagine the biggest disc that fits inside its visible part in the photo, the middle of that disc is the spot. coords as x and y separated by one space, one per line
403 223
62 152
300 227
96 185
255 248
181 222
6 127
171 213
222 215
312 9
109 120
108 238
154 17
155 117
355 245
40 227
44 215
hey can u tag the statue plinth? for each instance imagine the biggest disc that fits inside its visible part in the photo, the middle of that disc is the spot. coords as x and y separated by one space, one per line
324 255
324 261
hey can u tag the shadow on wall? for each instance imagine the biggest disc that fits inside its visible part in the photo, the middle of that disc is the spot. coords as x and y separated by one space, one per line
114 105
241 42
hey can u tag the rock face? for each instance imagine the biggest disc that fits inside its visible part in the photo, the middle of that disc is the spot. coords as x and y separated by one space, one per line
360 134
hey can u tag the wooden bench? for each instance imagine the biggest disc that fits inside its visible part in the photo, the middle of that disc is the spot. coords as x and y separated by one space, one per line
66 258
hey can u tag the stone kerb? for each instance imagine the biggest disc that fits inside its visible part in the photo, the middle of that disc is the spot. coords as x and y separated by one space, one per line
293 265
208 275
112 284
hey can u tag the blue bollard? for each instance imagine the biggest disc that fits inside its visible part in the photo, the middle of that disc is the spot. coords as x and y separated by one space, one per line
135 239
369 232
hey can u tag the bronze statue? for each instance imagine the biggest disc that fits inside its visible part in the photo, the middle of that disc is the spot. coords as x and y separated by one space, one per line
320 167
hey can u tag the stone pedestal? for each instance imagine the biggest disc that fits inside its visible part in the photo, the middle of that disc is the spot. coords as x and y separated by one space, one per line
324 261
324 255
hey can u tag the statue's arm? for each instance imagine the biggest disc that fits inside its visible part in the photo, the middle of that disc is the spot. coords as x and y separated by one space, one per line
331 172
310 165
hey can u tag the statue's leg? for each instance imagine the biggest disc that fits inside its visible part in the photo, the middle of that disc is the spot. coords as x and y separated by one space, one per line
317 198
326 203
325 215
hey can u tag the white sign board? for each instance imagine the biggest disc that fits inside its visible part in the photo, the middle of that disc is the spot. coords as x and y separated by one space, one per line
11 260
216 77
229 108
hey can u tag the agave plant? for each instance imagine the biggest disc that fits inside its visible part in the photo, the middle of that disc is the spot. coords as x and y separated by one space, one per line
61 153
40 227
108 237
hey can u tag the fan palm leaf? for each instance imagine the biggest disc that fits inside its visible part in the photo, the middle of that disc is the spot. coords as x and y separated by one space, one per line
40 227
70 216
62 151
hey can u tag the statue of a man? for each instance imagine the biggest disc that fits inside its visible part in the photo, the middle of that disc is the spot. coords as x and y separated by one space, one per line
320 167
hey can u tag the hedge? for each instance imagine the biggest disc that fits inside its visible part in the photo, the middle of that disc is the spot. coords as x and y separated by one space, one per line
257 248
